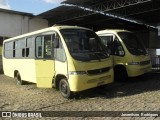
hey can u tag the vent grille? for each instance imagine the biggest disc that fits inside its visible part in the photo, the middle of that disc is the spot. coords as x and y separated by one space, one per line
98 71
145 62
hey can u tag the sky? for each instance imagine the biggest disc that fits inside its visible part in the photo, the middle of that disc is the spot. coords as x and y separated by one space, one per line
30 6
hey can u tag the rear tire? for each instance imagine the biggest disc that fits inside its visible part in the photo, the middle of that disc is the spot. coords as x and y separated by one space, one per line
65 89
120 74
18 79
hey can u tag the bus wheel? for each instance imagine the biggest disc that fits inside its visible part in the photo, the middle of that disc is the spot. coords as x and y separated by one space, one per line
121 74
18 79
64 89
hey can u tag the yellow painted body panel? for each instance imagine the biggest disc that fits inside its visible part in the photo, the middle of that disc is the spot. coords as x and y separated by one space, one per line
83 82
136 70
0 50
44 73
61 68
133 70
26 68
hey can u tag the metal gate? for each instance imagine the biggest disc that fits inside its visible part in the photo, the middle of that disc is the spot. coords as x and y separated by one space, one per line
155 63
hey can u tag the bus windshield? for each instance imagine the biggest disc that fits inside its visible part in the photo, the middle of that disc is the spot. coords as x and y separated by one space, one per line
132 43
84 45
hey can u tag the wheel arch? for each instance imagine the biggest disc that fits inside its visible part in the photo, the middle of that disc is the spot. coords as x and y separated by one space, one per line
120 73
119 66
15 73
57 80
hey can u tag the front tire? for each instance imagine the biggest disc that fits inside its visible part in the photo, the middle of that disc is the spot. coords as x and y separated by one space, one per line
65 89
120 74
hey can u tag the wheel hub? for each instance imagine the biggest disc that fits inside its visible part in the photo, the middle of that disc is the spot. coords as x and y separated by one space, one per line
64 88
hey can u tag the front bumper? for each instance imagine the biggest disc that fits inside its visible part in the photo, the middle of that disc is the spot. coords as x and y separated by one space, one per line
83 82
136 70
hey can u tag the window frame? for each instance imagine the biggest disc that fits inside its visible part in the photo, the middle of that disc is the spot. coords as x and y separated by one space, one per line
113 44
50 33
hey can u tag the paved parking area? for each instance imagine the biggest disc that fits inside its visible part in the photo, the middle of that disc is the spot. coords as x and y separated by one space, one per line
138 94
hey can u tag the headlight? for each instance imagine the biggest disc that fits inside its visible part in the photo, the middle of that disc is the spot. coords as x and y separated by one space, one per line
134 63
77 73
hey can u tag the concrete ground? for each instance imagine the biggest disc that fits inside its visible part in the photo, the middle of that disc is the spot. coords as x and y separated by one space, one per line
137 94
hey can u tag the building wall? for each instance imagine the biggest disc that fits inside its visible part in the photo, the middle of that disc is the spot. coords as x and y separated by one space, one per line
154 40
37 23
149 38
10 24
13 24
143 37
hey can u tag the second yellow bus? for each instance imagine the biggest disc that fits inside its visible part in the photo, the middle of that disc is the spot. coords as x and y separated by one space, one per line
130 57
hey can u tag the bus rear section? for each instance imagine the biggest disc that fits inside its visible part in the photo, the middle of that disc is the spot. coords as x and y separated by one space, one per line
69 58
130 57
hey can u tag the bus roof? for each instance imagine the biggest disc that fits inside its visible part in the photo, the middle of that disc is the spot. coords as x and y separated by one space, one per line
111 31
55 28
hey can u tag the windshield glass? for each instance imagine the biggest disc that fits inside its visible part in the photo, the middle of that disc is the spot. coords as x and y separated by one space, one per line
84 45
132 43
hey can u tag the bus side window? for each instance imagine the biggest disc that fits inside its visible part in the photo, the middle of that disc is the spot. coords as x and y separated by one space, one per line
19 48
29 47
108 42
44 46
8 49
47 46
14 50
118 49
39 49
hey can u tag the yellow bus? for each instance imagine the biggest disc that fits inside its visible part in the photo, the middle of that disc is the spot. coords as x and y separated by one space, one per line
130 57
69 58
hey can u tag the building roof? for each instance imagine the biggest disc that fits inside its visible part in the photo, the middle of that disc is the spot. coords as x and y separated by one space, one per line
84 3
15 12
146 11
73 15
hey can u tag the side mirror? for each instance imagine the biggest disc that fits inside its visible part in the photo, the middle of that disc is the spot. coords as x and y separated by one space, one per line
121 53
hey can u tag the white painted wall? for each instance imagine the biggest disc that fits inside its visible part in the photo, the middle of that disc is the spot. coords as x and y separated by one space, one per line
37 23
10 24
14 24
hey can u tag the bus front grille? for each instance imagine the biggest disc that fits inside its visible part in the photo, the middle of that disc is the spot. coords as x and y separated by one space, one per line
98 71
145 62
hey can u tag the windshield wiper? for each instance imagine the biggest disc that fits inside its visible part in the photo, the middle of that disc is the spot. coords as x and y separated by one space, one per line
98 56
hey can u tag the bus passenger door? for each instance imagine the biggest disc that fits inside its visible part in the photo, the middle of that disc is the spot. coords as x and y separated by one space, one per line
118 51
44 63
61 65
